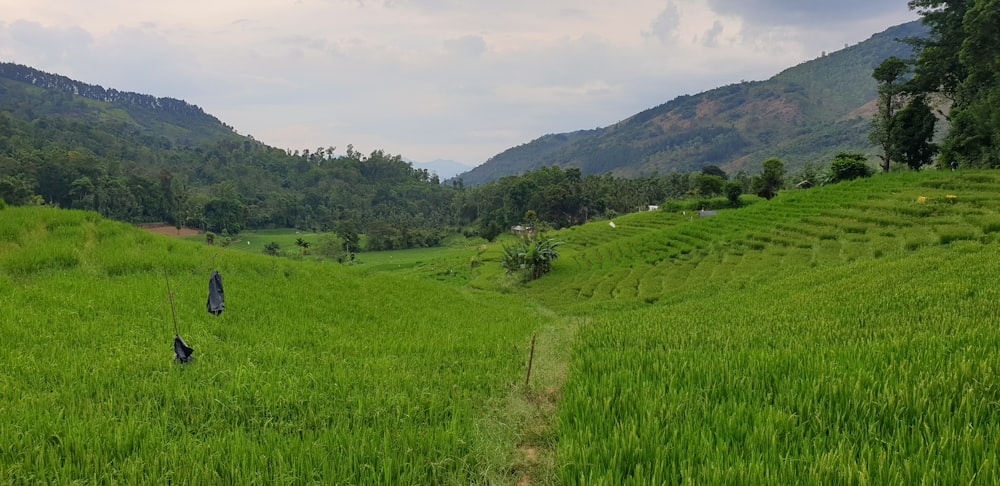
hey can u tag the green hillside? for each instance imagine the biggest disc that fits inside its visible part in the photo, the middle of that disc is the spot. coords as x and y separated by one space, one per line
141 159
29 94
833 335
805 114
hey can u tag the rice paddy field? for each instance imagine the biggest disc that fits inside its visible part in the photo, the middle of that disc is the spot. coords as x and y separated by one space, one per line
843 334
313 373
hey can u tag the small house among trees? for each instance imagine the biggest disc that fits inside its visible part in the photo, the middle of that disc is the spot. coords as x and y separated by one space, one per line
521 231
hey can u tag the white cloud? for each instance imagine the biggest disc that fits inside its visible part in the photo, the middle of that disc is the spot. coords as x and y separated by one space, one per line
451 79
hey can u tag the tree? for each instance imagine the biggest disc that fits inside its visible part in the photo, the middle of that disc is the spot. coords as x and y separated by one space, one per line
490 230
938 68
227 215
16 190
889 76
913 134
733 192
714 170
959 62
848 166
333 247
771 179
974 137
710 185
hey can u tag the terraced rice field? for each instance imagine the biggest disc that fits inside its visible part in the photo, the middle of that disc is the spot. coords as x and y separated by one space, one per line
840 335
843 334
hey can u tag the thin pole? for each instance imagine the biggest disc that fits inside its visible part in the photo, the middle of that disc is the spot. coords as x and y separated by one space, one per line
531 357
170 294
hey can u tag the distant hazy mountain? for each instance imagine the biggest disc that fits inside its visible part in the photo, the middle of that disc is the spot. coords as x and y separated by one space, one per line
445 169
805 114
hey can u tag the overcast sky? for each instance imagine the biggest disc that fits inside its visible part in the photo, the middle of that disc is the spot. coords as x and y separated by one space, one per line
427 79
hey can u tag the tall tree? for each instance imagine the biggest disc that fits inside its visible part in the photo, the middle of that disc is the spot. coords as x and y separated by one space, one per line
975 135
913 134
961 61
890 77
938 67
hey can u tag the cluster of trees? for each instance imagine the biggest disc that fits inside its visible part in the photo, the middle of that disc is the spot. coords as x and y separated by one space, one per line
560 198
954 72
224 186
556 198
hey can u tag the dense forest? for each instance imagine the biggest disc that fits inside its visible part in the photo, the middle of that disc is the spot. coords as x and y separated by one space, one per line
225 186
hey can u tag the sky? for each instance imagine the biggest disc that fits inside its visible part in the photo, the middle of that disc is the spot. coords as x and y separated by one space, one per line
460 80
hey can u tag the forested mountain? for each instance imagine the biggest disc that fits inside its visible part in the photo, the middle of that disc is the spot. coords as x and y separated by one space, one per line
805 114
138 158
170 119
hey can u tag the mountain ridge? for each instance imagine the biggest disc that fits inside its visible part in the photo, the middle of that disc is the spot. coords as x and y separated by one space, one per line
181 122
805 114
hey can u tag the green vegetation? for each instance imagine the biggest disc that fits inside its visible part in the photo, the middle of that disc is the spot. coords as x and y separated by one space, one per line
848 166
136 158
837 334
831 335
312 373
530 257
956 67
771 179
805 114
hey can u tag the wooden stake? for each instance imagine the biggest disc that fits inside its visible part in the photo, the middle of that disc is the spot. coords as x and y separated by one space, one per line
531 357
170 294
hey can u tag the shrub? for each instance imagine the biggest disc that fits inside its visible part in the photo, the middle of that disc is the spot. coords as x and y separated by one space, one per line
490 231
531 258
848 166
333 247
272 249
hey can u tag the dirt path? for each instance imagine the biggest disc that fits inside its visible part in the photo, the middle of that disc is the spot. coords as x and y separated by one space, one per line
536 405
169 230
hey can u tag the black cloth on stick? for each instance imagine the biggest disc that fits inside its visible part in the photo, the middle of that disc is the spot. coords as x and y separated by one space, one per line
182 353
216 299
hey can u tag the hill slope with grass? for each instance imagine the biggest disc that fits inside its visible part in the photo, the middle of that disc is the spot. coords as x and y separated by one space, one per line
839 334
833 335
313 373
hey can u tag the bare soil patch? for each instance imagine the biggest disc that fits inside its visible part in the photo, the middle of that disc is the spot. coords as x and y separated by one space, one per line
169 230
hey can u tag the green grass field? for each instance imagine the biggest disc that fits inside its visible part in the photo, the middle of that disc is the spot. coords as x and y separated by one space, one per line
313 372
842 334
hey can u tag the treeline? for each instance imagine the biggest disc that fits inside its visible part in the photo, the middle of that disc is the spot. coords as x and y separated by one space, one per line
955 74
232 185
556 198
224 187
58 83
